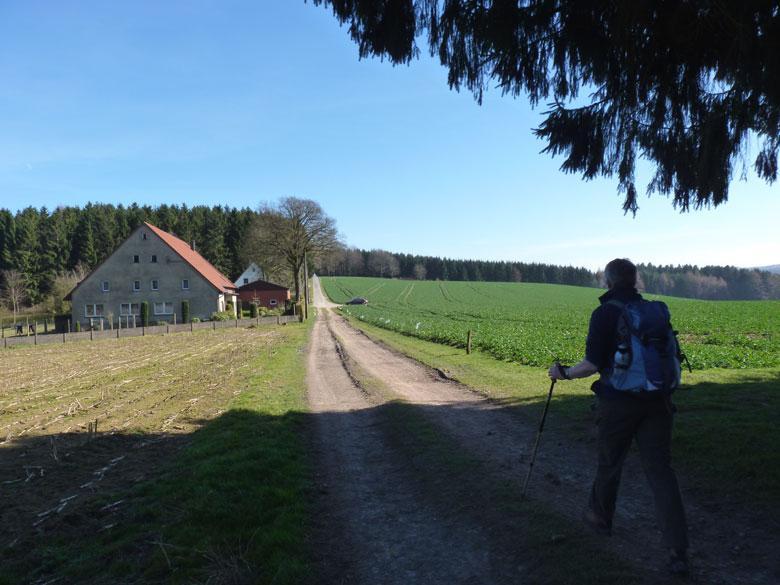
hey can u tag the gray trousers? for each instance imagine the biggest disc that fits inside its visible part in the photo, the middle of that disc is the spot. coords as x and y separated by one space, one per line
650 422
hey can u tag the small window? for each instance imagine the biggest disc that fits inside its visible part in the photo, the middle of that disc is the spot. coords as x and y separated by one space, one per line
136 285
136 258
104 285
154 258
185 284
129 309
272 302
164 308
155 285
246 281
93 310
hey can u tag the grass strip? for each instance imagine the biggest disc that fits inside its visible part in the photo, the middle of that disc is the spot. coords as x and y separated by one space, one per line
726 436
231 508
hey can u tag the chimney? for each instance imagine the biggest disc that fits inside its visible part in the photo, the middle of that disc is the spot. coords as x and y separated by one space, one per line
192 244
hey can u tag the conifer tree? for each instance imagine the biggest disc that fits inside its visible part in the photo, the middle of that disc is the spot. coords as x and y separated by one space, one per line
685 85
83 243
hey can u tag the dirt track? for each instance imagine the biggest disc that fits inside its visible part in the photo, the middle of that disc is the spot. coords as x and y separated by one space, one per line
397 534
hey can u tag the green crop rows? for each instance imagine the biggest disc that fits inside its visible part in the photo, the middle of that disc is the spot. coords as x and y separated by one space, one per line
536 323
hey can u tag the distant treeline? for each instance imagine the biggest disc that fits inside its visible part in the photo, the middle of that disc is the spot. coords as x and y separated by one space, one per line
709 282
42 244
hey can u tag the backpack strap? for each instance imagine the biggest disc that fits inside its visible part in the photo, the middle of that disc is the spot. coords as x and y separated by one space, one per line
623 330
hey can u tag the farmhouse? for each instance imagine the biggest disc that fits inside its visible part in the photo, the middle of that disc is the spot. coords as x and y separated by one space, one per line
156 267
264 294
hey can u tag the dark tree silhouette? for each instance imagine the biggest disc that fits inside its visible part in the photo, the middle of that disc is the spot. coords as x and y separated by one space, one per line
686 85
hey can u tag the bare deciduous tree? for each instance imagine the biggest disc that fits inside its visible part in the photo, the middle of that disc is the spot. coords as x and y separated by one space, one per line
283 234
14 290
63 284
383 263
419 271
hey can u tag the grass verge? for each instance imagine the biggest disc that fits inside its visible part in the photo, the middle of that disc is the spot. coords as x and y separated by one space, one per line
231 508
727 441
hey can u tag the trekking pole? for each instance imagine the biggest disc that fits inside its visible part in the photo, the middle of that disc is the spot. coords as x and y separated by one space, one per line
538 438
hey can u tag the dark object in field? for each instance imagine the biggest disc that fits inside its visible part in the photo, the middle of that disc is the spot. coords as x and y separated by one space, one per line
358 301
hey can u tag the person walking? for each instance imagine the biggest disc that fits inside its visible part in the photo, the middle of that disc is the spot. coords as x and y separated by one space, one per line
628 344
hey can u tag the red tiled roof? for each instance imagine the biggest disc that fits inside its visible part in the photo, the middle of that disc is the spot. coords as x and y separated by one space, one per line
198 262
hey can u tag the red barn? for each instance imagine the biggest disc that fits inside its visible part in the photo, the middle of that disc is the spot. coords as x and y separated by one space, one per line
265 294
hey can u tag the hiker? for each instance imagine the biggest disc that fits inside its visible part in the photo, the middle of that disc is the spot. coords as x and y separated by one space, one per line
631 405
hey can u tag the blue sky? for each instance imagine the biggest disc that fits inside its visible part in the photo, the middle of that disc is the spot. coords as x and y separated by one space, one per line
236 103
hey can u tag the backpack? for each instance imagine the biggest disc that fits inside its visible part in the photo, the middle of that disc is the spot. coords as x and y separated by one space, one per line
648 356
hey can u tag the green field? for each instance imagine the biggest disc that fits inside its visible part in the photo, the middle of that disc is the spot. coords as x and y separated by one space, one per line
534 324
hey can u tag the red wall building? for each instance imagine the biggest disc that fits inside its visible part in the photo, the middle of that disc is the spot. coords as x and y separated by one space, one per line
265 294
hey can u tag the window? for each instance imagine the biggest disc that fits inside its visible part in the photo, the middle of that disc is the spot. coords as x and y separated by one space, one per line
185 284
246 281
165 308
94 310
104 286
136 285
129 309
136 258
155 285
272 302
154 258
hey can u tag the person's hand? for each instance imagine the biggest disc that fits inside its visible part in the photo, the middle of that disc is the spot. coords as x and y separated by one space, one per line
556 372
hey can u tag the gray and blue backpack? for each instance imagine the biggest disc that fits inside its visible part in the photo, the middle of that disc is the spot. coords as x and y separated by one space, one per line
648 355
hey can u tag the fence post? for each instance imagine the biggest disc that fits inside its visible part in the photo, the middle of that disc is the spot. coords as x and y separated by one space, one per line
35 334
91 329
191 327
143 330
278 320
167 328
214 325
63 337
468 343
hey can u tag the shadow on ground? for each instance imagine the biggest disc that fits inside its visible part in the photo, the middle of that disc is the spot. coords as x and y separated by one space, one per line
237 501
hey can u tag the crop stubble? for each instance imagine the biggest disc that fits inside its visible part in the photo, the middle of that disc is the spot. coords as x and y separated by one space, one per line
144 394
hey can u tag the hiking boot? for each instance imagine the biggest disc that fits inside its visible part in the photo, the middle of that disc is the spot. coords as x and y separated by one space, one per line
596 523
678 563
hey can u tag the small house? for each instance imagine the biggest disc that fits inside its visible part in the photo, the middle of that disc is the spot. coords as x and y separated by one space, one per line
252 273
